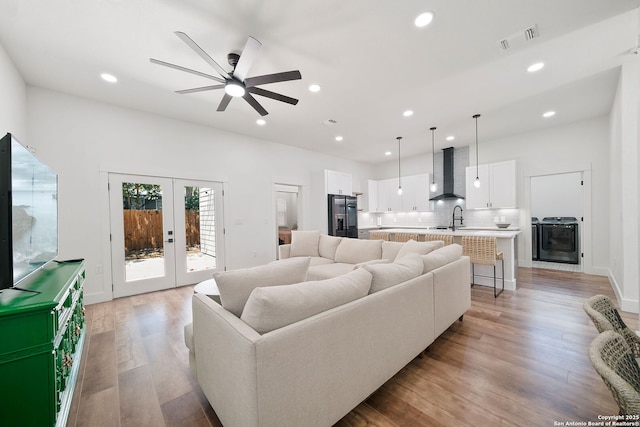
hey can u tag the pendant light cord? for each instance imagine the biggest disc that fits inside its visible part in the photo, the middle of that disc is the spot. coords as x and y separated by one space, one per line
399 183
477 166
433 157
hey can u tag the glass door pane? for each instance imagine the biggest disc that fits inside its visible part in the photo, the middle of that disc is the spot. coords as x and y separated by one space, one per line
142 237
198 210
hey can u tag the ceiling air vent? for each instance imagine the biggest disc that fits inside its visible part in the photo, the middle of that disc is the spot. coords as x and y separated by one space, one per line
519 38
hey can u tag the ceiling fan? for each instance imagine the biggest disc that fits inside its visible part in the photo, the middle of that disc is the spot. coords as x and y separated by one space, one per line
236 83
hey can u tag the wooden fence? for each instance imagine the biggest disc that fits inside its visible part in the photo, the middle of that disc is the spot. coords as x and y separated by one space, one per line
143 229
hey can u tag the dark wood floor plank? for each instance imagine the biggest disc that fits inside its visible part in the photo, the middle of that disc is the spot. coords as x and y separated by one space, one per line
519 359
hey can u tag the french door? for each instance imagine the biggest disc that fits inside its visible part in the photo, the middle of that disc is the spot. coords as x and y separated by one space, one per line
165 232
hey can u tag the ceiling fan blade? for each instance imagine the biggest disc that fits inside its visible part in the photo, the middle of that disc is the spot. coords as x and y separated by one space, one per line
200 89
204 55
272 95
224 102
255 104
272 78
247 56
188 70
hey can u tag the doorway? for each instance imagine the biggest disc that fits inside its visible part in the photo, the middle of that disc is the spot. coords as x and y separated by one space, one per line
165 232
287 198
557 204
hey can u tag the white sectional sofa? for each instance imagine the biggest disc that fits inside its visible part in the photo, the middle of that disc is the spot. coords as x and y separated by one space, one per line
285 352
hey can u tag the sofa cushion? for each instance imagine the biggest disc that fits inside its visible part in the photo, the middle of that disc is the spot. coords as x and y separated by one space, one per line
277 306
328 245
316 260
235 286
440 257
420 248
390 274
390 249
327 271
304 243
354 251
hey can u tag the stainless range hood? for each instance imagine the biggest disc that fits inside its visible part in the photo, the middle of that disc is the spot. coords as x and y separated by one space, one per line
447 186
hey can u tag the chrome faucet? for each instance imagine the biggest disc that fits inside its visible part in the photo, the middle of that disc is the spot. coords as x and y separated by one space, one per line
453 220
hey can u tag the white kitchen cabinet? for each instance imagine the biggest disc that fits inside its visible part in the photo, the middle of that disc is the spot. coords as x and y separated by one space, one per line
388 198
384 197
372 196
415 192
497 186
338 182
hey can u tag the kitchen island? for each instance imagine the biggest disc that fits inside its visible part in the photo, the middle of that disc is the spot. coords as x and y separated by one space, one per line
506 242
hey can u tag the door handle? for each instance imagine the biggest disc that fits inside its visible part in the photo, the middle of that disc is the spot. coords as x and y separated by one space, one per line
169 241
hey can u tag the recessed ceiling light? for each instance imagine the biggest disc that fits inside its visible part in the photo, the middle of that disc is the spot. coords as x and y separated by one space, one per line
451 138
535 67
408 113
387 153
261 122
314 88
549 114
339 138
109 78
424 19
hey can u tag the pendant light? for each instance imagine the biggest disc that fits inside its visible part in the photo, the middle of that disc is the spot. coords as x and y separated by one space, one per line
434 186
476 183
399 183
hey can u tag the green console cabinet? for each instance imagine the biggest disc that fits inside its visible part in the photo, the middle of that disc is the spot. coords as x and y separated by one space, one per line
41 339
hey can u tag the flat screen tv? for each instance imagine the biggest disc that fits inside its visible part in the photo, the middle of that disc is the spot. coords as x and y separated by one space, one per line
29 213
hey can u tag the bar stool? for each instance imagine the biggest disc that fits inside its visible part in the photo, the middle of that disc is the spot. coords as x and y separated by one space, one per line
379 235
483 250
447 239
404 237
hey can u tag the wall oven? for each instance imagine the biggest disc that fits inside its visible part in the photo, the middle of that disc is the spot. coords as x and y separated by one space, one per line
559 240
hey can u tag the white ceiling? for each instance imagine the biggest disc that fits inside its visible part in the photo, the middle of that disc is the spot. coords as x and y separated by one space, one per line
370 60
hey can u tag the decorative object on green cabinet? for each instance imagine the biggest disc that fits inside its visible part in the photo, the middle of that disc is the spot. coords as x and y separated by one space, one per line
41 339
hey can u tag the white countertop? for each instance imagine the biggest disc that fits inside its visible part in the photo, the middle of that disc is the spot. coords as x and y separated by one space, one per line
500 233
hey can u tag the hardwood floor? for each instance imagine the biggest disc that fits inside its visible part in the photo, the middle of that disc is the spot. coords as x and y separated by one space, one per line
520 359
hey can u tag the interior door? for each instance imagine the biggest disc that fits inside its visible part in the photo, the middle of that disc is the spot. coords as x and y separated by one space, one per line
164 232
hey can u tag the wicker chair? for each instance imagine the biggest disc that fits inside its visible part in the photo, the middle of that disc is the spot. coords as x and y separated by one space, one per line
606 318
483 250
404 237
379 235
448 240
612 358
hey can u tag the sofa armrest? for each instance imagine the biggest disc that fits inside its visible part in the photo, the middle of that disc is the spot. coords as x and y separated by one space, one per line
226 361
284 251
451 292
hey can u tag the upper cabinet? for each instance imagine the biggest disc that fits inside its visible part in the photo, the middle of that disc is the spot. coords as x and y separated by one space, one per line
384 197
497 186
338 182
415 193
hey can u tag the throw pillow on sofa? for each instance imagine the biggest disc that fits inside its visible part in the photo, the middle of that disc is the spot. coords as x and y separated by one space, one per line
327 246
304 243
420 248
390 249
401 270
235 286
355 251
440 257
273 307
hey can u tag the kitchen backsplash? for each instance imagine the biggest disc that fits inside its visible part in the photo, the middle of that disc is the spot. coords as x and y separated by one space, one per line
441 216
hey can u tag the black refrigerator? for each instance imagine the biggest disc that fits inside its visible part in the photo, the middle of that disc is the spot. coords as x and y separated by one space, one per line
343 216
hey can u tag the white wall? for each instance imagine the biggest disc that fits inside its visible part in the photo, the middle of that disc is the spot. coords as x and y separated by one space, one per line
624 186
13 108
556 195
83 140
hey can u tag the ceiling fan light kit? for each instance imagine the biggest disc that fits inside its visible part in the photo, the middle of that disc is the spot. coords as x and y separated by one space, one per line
236 84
